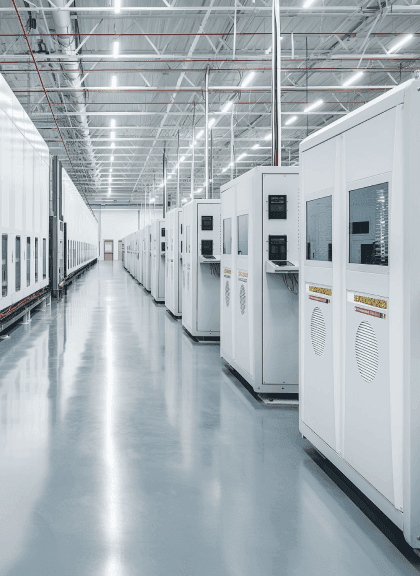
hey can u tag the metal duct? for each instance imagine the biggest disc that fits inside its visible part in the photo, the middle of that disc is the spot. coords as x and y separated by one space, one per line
63 26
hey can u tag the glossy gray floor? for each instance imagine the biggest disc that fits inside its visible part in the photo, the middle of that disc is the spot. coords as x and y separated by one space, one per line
126 450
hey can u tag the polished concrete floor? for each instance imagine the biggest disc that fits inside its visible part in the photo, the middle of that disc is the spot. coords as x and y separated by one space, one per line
128 450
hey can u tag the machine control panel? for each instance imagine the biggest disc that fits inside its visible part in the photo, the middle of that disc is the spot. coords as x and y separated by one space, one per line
162 246
206 222
277 207
277 247
207 247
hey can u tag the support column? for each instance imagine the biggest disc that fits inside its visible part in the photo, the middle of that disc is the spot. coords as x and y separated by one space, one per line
232 146
276 86
178 199
206 159
165 193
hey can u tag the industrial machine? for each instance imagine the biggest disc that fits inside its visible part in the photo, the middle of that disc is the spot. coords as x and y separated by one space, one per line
259 268
359 300
173 264
147 257
201 268
157 283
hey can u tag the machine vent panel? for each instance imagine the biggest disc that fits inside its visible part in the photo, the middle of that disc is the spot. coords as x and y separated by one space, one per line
242 299
367 352
318 331
227 293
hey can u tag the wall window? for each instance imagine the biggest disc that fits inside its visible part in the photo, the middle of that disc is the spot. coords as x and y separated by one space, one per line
36 260
227 236
319 229
44 258
243 235
17 264
28 261
4 265
368 225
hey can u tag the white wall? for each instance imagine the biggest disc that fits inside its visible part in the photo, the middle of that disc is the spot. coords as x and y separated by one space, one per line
115 224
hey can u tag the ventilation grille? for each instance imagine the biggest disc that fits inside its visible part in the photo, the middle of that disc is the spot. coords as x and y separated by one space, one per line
227 293
367 352
318 331
242 298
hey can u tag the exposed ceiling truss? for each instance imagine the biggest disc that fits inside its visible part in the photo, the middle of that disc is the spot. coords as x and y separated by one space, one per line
112 90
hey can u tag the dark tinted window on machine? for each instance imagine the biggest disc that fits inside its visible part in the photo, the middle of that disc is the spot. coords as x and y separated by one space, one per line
319 229
368 225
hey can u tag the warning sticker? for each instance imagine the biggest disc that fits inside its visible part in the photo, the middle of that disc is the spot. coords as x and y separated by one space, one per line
227 272
373 313
319 299
242 276
319 290
371 301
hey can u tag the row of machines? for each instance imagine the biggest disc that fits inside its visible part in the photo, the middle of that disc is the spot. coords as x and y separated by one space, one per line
48 234
309 276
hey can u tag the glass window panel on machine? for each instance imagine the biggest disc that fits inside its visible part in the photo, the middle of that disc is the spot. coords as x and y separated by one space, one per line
259 266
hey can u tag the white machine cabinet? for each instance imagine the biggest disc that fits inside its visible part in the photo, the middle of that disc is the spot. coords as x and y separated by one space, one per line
157 284
173 264
360 300
259 287
201 268
147 257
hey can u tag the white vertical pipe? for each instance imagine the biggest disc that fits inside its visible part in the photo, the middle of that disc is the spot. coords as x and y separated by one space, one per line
193 156
232 145
206 163
276 86
165 192
178 200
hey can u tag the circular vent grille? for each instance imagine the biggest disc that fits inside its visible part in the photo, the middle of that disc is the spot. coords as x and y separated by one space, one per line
318 331
367 352
242 299
227 293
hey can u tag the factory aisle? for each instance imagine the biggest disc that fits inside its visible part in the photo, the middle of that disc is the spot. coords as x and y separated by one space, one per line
128 450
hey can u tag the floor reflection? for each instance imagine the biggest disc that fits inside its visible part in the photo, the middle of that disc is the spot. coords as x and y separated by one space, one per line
126 448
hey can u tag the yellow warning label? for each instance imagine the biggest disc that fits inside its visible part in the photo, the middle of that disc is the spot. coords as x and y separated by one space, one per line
326 291
228 271
371 301
242 274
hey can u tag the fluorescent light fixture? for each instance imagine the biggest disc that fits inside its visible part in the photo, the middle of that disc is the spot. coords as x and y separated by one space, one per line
255 146
226 107
169 177
313 106
112 158
117 6
248 79
110 169
115 49
401 43
184 200
112 144
241 156
152 200
211 122
308 3
182 159
353 79
109 190
113 123
200 134
112 135
268 50
199 191
113 82
224 169
291 120
268 137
